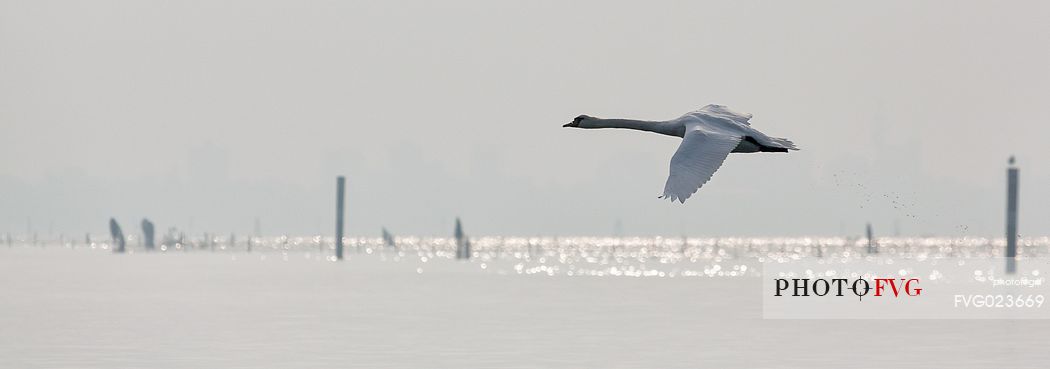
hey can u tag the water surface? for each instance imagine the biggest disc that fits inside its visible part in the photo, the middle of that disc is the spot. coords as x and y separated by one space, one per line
291 307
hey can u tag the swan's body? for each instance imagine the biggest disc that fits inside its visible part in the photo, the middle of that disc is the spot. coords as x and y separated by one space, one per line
708 136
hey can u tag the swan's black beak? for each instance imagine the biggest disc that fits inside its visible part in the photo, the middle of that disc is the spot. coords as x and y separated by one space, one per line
575 122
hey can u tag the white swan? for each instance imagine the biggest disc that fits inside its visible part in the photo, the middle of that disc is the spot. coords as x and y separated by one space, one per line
708 136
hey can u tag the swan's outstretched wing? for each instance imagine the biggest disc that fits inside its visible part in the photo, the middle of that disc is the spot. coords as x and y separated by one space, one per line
696 160
723 112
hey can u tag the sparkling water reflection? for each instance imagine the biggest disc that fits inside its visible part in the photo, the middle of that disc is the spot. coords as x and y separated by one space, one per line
659 257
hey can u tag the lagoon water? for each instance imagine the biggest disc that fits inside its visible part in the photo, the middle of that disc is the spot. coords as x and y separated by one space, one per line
520 303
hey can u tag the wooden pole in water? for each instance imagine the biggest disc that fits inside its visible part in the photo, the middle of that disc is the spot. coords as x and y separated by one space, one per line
117 235
147 234
870 246
340 183
458 233
462 242
1011 217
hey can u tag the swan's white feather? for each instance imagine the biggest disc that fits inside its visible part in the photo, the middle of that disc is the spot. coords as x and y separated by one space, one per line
723 112
698 157
720 118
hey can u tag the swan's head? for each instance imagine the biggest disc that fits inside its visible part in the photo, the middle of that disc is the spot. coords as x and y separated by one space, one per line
576 122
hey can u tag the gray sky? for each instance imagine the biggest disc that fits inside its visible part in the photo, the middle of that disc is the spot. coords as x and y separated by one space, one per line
204 115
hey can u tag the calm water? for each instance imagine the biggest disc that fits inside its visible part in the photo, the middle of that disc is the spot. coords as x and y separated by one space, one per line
579 302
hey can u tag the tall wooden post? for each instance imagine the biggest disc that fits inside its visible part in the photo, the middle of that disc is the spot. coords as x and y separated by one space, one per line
147 234
340 184
462 242
871 241
1011 217
117 234
458 234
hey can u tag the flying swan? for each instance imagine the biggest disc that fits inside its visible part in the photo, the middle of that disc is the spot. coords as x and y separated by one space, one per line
708 136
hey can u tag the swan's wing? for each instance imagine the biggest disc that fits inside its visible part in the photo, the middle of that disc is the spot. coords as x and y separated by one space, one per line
723 112
696 160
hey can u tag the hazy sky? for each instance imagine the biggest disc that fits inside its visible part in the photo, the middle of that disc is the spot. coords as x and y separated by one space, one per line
205 115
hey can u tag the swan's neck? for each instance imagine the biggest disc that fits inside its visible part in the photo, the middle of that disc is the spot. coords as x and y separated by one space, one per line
661 127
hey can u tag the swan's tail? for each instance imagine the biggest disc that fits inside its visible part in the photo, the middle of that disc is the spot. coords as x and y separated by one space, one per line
782 143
